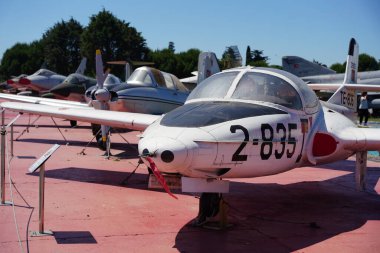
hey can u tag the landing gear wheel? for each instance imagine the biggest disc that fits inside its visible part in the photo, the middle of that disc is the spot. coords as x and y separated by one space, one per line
208 207
101 145
73 123
95 128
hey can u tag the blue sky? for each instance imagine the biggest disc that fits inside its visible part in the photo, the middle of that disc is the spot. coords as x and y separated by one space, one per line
312 29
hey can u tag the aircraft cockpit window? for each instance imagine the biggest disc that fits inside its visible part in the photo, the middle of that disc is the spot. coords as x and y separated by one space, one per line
158 76
168 81
311 100
140 77
215 86
267 88
179 85
147 79
110 80
44 72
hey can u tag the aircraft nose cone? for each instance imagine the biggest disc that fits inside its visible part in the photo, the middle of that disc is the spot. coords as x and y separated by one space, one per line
102 95
170 155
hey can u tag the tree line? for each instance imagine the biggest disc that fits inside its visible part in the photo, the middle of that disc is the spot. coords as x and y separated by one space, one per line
62 47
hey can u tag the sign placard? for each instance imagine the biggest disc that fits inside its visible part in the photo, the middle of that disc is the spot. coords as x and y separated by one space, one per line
43 158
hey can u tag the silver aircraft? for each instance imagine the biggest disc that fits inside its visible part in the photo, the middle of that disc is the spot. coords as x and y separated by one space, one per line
311 72
147 91
42 80
240 123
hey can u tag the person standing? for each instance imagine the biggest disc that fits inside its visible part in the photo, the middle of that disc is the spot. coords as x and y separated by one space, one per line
363 109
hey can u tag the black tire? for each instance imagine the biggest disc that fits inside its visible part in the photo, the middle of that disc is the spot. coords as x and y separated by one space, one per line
73 123
95 129
101 145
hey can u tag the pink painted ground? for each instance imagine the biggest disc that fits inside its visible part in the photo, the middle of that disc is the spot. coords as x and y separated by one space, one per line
304 210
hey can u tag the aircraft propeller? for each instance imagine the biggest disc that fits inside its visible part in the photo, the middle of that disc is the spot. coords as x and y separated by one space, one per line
101 97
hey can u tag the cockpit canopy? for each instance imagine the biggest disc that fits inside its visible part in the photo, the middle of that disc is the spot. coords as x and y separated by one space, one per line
44 72
258 84
112 79
75 79
146 76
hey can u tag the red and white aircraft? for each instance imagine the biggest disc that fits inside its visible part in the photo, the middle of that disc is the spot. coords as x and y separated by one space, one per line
243 122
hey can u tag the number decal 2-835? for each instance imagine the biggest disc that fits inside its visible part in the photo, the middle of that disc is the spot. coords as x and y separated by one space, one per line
237 157
267 135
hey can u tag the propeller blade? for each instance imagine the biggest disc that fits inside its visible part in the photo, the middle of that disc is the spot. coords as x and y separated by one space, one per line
159 177
100 76
128 71
102 94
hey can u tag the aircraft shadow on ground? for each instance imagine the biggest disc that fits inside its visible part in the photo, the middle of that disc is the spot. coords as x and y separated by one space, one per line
129 150
266 217
104 177
283 218
373 174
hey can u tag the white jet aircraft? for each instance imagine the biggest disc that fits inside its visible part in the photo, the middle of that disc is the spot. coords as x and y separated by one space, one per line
243 122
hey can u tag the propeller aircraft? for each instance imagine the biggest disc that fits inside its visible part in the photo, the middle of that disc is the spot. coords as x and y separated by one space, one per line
242 122
148 91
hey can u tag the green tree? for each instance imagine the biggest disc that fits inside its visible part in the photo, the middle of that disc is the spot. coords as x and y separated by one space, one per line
258 59
171 46
367 63
275 66
164 60
22 58
248 56
62 46
115 38
338 67
228 59
187 62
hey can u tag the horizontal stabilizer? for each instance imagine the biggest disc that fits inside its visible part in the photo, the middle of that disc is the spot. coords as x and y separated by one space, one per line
336 86
360 139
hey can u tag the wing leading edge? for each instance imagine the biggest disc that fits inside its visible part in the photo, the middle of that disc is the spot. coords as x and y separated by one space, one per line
133 121
44 101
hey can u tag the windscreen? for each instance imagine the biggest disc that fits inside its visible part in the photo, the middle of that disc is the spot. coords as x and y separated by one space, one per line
215 86
200 114
267 88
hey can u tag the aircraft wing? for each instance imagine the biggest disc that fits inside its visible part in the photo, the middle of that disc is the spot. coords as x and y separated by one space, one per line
133 121
45 101
336 86
191 79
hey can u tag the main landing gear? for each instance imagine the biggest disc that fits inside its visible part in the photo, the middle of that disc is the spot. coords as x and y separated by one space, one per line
212 212
212 207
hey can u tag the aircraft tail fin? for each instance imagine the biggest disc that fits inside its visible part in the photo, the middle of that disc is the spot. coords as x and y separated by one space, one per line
300 67
207 65
82 66
346 94
352 63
